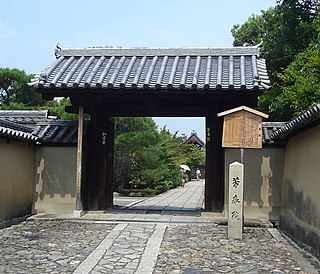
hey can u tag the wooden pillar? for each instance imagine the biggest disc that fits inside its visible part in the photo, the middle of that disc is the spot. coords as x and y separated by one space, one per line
109 163
79 206
92 164
100 173
214 187
106 163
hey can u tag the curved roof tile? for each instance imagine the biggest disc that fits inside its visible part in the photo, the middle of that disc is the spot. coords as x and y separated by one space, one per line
234 68
16 132
57 132
305 120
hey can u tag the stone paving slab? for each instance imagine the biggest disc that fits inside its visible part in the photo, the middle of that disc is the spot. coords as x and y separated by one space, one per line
90 246
188 198
49 246
206 249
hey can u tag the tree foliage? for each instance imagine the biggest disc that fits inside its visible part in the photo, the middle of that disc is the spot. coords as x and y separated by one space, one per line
147 158
137 156
57 108
290 34
300 82
15 92
177 152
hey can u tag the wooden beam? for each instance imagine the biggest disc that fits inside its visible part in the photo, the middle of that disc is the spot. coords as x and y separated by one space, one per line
79 206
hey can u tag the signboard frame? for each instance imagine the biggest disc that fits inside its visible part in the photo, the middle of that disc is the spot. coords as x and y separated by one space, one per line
242 127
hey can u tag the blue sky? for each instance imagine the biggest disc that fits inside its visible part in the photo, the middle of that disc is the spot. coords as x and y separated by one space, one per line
30 29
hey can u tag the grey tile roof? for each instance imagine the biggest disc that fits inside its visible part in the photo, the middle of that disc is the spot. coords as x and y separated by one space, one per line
300 123
57 132
65 132
26 117
16 132
268 129
234 68
194 139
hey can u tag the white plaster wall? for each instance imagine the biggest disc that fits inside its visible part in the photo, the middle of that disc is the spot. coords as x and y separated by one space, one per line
300 212
16 179
263 173
55 180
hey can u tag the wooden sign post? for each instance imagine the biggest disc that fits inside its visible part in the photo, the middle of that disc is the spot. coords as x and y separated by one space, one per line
242 128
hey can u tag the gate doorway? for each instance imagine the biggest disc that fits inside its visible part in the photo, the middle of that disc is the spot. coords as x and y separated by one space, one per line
144 82
146 168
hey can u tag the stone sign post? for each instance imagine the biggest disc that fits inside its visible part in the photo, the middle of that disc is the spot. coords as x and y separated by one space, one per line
242 128
235 216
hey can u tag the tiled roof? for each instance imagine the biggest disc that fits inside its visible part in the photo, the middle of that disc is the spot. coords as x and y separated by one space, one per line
25 116
16 132
58 131
65 132
194 139
268 129
304 121
234 68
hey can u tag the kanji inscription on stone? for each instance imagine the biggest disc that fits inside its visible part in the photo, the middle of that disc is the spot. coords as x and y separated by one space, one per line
235 216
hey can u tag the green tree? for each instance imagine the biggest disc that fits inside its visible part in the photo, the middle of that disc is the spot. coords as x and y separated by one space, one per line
15 92
137 153
300 81
148 158
57 108
287 30
254 30
176 152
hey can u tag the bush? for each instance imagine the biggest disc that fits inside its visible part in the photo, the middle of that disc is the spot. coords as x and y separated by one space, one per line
146 192
164 186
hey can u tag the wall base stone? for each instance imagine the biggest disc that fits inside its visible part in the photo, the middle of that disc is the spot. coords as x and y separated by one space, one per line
14 221
306 239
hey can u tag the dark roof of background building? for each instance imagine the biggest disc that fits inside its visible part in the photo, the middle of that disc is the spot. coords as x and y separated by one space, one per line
233 68
17 132
26 117
194 139
304 121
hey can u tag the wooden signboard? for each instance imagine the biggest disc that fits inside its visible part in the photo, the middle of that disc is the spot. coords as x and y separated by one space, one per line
242 127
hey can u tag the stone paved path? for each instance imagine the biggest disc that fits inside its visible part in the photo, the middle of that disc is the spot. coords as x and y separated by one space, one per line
188 198
48 247
87 246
